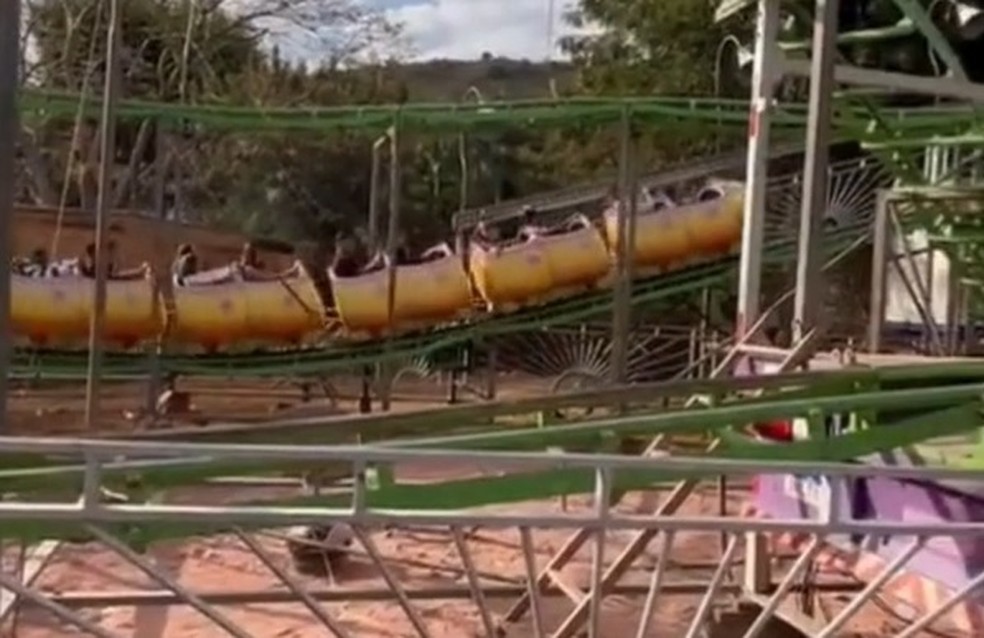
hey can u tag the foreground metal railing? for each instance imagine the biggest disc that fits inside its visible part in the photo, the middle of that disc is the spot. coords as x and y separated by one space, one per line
443 506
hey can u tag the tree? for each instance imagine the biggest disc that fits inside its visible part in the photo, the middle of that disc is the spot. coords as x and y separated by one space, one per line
212 51
645 47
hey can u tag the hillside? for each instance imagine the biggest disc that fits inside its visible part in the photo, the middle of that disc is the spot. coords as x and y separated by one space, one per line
495 78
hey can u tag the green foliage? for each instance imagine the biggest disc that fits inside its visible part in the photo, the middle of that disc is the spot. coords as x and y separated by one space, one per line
656 47
294 187
665 47
166 53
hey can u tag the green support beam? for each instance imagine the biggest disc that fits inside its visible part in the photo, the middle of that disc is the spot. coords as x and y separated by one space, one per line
442 118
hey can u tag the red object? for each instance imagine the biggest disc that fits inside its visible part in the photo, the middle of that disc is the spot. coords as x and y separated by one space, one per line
753 122
775 430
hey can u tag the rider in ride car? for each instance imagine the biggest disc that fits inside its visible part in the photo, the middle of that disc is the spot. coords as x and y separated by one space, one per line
483 234
37 265
185 264
401 256
529 228
249 257
347 261
87 263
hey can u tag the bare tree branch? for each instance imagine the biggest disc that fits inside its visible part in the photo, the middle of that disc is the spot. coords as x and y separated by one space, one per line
45 193
123 186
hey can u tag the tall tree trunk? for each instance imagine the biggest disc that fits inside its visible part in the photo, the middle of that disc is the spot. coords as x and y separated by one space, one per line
88 167
42 188
125 186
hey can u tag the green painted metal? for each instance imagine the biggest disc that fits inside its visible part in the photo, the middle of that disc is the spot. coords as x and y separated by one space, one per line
905 391
528 485
903 28
973 139
441 118
27 472
919 15
909 404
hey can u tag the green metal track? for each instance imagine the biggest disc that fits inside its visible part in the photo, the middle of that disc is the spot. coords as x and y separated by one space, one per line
53 364
441 118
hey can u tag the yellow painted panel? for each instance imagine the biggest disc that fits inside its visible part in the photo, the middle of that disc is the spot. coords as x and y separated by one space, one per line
210 315
362 302
662 237
512 274
283 310
131 314
432 291
59 309
577 258
49 310
715 226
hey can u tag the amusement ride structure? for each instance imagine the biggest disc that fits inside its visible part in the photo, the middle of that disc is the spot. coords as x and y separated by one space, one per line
814 452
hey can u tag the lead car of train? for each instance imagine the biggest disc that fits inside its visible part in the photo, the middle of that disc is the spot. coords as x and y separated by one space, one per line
218 309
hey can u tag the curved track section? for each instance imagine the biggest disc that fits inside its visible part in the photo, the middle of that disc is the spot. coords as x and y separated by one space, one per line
55 364
853 188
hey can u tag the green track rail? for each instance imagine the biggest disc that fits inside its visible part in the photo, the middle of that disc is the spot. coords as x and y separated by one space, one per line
489 116
51 364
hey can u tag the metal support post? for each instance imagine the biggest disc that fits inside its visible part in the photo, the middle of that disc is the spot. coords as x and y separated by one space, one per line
492 368
377 149
9 63
368 372
623 254
764 74
162 163
107 146
807 305
880 254
392 243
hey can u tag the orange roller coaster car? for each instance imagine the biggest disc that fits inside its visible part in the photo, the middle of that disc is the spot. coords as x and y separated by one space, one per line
221 308
58 310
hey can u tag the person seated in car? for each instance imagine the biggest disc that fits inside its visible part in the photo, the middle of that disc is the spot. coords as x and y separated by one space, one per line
529 229
249 259
185 264
401 257
661 200
484 235
347 261
37 264
87 262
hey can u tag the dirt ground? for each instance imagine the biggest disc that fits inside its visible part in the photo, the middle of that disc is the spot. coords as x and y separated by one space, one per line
419 559
60 409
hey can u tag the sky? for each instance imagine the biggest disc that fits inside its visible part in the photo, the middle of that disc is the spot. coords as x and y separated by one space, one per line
465 29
